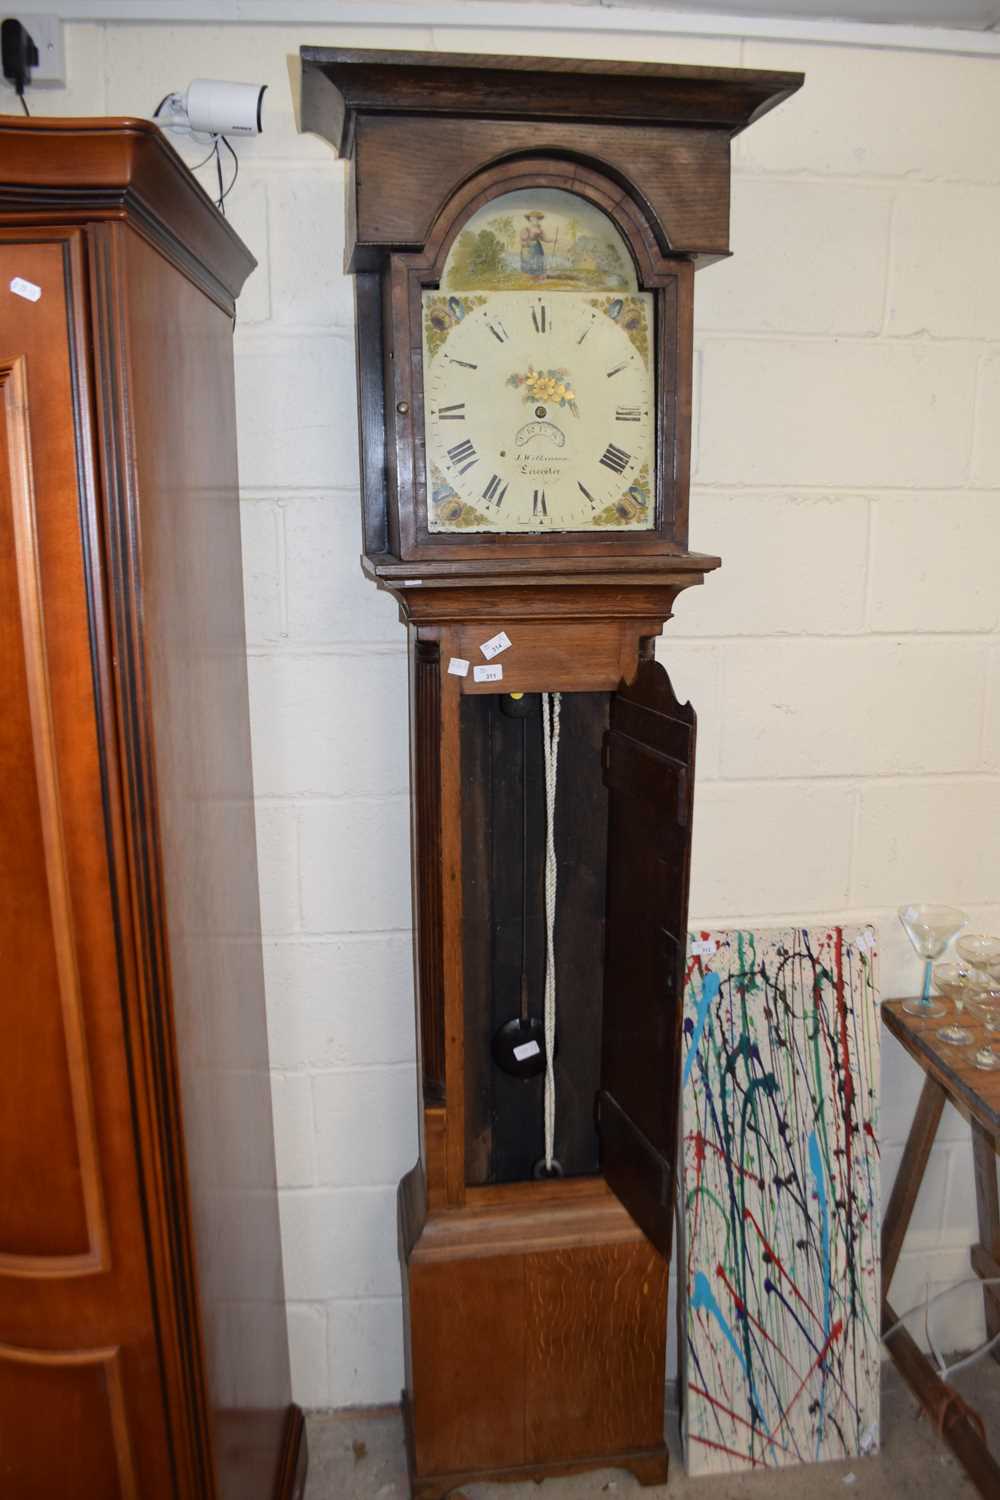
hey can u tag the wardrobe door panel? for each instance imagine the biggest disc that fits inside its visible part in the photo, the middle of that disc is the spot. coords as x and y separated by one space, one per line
51 1215
80 1396
77 1331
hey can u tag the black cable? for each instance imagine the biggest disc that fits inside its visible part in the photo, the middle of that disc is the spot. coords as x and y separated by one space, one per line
24 105
223 190
236 170
199 164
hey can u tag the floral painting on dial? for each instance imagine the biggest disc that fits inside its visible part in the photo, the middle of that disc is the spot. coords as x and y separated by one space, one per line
448 506
780 1208
632 508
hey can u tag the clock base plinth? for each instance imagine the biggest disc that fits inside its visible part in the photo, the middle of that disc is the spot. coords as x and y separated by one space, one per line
650 1467
536 1338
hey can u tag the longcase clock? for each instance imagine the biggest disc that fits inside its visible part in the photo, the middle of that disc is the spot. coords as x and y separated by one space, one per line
524 235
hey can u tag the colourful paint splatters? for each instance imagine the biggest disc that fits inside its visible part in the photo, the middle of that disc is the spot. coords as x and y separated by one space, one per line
781 1197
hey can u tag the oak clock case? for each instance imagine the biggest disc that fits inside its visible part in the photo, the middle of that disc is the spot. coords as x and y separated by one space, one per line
523 235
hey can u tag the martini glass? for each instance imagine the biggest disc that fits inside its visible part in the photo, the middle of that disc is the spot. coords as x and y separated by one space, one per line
958 982
930 929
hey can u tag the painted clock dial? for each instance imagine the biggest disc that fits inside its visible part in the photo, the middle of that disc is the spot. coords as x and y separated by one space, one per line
539 399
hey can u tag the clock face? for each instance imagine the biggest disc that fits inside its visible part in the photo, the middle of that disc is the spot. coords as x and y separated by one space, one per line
539 411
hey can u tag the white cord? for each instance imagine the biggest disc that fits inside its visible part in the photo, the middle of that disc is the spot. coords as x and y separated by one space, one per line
943 1371
551 705
970 1359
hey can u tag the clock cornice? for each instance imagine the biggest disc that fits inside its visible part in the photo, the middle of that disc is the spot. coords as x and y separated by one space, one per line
339 84
412 122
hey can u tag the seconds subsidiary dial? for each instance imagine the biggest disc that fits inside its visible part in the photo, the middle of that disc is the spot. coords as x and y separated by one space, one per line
538 411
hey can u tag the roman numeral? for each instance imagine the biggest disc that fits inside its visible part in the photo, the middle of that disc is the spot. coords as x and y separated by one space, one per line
499 332
538 317
463 362
493 491
616 459
463 456
453 413
617 369
628 414
538 506
586 493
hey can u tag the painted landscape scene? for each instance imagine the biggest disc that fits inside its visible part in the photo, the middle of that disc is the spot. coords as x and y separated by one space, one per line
539 237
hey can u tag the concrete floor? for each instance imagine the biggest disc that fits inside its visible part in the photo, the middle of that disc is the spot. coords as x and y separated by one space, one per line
359 1456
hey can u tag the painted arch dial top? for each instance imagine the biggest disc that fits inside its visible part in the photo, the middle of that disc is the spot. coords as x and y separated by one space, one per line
539 411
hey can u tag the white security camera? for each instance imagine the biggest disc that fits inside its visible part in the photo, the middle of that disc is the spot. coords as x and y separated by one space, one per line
210 107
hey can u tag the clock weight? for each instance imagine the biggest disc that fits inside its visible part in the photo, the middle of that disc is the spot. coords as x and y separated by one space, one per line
519 705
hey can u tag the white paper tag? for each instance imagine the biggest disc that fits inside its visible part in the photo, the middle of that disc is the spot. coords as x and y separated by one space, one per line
487 674
411 583
703 947
869 1440
26 289
495 645
458 667
526 1049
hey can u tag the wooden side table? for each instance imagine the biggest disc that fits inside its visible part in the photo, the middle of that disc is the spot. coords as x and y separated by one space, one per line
950 1074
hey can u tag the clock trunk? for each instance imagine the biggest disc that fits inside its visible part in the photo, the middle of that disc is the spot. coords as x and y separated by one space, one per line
504 938
622 846
512 1328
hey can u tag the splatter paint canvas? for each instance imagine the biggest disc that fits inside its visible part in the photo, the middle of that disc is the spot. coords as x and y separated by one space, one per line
780 1220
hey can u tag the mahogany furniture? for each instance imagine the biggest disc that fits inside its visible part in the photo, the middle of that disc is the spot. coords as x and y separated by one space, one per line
951 1075
535 1305
143 1346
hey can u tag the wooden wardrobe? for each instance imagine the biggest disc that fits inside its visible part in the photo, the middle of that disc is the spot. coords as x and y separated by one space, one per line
143 1344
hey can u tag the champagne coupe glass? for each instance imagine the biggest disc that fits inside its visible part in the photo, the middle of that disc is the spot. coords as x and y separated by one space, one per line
987 1001
958 982
930 929
982 951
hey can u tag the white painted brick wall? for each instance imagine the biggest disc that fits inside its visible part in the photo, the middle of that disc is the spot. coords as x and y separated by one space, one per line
845 663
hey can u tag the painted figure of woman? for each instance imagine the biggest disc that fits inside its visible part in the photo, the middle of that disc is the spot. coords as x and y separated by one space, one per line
533 242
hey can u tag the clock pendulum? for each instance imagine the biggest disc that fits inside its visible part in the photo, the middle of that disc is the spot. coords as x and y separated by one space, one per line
519 1046
523 234
525 1046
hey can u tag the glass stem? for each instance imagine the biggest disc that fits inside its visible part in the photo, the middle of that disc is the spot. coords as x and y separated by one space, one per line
925 998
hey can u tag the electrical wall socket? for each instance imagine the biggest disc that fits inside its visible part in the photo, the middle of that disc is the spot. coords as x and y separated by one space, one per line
47 34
